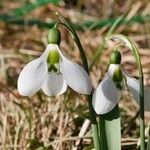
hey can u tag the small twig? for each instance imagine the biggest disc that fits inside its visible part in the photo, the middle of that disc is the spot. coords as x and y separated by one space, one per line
82 132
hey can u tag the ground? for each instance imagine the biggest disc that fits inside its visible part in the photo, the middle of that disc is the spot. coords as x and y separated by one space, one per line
55 122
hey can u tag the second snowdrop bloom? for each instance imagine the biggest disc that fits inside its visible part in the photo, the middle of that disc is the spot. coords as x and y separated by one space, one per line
108 92
53 72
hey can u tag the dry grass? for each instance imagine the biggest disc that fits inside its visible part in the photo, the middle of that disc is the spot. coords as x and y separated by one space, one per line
61 123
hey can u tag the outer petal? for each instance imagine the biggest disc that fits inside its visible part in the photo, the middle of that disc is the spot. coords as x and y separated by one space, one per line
32 76
54 84
106 96
133 85
75 76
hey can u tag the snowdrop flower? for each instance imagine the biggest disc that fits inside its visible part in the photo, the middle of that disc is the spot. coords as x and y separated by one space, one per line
108 92
53 72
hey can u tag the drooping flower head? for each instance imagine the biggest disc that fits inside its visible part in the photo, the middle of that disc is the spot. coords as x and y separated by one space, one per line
108 92
53 72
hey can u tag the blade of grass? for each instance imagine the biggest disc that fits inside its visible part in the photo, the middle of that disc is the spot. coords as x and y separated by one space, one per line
31 22
148 143
114 25
100 49
97 54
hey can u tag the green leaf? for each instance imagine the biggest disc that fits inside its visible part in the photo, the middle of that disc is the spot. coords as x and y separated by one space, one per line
9 18
91 147
97 54
110 130
148 143
114 25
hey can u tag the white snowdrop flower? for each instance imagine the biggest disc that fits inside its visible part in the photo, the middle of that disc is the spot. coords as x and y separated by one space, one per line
53 72
108 92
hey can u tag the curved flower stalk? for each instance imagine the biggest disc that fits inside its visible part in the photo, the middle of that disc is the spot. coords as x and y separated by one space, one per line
53 72
69 27
108 92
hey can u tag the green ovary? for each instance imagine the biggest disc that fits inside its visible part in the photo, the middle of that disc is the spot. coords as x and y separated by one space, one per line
53 60
115 57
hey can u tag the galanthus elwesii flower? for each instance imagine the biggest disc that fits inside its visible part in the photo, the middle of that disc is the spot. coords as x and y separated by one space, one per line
108 92
53 72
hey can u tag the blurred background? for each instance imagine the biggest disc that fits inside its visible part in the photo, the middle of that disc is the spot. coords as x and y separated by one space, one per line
62 122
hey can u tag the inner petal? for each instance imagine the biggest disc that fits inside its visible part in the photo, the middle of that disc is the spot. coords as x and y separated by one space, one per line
54 84
115 73
53 60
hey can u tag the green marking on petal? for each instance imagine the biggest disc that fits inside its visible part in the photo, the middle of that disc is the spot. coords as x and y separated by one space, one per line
53 57
118 86
117 76
53 60
52 68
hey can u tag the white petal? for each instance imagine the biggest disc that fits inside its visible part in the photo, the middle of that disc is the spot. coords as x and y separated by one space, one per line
106 96
75 76
133 85
31 77
54 84
33 74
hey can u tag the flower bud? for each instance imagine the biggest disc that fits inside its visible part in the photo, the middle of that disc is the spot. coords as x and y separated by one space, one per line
54 36
115 57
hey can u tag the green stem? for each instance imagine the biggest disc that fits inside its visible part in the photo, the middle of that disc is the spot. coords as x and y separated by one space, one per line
85 64
142 122
141 80
95 132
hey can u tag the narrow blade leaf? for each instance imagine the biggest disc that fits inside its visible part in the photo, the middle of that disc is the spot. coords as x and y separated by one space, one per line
148 143
110 130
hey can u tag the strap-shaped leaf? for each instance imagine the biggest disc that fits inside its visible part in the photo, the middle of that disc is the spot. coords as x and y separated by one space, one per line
110 130
148 143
